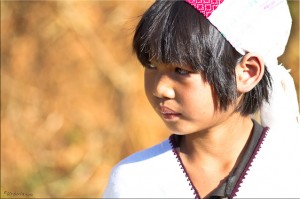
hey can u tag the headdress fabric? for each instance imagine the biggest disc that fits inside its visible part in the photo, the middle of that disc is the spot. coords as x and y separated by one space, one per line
263 27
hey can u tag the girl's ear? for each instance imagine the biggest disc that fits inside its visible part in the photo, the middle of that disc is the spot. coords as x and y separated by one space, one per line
249 72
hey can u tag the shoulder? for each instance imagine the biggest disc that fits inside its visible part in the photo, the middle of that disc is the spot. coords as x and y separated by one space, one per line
275 166
151 173
149 154
281 145
148 160
139 173
282 140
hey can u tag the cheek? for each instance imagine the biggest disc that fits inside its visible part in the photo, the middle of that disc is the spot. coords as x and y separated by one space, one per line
199 99
148 86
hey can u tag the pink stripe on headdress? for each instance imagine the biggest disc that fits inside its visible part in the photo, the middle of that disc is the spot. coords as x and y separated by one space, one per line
206 7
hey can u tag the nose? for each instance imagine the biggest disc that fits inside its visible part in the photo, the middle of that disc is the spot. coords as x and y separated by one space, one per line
163 87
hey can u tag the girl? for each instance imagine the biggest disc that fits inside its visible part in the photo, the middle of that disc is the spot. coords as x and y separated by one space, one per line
205 75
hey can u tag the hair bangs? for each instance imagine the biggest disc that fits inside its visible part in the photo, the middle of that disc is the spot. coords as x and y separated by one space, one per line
165 35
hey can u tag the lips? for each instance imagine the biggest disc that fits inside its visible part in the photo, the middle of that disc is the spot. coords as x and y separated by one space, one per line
168 113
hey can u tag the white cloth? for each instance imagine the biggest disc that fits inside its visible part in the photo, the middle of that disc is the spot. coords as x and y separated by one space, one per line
156 173
263 27
254 26
283 109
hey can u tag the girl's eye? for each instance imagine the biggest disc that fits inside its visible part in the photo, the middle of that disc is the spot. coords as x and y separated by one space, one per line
181 71
150 66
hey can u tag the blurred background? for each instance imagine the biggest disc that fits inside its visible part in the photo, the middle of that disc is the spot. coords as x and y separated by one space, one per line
72 99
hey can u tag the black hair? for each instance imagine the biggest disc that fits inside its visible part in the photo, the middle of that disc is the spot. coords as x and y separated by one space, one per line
173 32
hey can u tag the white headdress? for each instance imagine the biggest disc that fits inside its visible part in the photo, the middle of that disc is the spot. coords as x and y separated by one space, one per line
263 27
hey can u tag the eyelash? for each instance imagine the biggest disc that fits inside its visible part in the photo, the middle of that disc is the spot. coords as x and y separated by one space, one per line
181 71
178 70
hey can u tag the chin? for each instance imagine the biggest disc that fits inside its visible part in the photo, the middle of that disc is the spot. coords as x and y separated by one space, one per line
179 131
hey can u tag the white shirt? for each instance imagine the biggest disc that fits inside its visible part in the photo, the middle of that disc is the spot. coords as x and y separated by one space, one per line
157 173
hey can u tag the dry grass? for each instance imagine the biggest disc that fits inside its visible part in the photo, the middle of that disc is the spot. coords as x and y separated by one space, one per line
72 99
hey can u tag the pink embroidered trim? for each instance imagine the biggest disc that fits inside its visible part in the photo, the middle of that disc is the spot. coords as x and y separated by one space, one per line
193 188
206 7
249 163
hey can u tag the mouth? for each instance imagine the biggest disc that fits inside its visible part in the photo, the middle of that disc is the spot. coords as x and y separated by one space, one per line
168 114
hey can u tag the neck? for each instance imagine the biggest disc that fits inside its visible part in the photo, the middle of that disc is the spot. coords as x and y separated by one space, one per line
220 146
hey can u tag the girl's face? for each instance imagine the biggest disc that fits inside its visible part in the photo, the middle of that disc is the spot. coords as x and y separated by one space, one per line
181 97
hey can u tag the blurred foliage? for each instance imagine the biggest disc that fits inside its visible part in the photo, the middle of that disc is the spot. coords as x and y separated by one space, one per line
72 99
